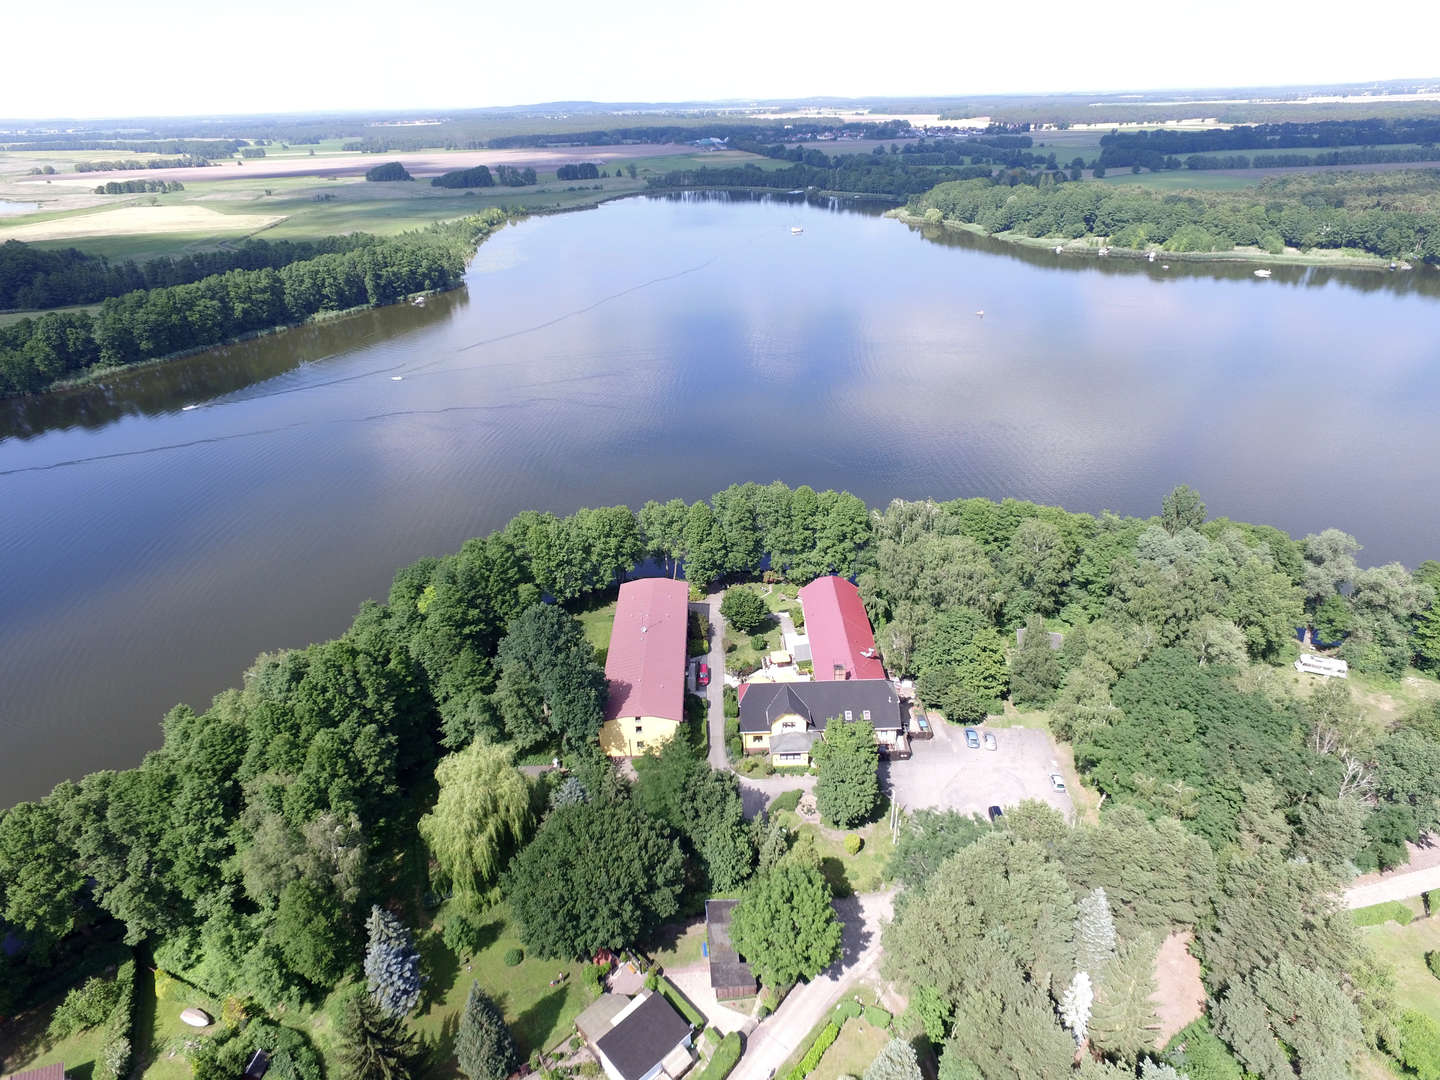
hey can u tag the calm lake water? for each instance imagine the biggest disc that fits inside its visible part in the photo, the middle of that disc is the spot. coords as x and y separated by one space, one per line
9 208
161 530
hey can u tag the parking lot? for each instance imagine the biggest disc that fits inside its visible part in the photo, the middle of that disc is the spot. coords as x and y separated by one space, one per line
945 774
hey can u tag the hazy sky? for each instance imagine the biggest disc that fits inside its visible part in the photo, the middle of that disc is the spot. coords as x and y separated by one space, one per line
99 58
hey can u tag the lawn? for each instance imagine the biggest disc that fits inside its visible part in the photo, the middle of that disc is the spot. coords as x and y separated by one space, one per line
540 1015
743 653
852 1053
678 944
598 622
862 872
1403 948
1182 180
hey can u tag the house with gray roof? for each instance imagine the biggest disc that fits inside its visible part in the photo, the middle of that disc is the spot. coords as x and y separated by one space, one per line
640 1039
730 976
785 719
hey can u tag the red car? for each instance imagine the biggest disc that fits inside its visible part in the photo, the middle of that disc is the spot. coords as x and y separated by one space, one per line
703 676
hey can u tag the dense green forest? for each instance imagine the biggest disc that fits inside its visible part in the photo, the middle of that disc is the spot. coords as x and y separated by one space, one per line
148 324
135 187
32 277
149 163
1393 214
391 170
283 842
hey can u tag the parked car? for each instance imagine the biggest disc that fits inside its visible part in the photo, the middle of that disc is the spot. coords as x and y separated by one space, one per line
995 812
990 743
972 738
1057 781
703 678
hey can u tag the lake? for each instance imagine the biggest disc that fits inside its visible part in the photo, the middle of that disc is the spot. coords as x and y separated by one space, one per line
10 208
162 529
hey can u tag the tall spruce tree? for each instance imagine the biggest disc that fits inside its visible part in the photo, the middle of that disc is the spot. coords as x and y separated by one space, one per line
392 966
484 1047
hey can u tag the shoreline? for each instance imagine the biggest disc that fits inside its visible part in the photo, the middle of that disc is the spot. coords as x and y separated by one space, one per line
1090 246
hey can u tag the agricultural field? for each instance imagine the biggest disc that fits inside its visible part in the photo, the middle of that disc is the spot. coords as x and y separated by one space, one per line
222 205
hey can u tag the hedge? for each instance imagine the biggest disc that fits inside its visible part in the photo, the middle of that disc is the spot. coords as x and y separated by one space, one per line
683 1007
817 1050
726 1055
848 1009
1389 911
1432 961
118 1045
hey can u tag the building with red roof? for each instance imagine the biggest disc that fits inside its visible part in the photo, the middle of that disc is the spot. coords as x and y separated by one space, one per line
645 666
842 645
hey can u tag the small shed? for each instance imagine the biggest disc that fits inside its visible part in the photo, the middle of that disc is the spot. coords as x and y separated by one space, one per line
730 976
1056 639
45 1072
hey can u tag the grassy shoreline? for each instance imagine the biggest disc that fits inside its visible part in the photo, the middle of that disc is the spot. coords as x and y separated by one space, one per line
1090 246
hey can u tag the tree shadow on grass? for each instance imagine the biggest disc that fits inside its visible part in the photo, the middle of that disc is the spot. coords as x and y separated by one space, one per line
838 877
440 1050
441 967
536 1024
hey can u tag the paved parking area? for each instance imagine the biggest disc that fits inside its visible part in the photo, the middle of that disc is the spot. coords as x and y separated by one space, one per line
945 774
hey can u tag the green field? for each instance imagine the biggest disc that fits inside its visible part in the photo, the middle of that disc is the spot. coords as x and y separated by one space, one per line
1182 180
1403 949
847 874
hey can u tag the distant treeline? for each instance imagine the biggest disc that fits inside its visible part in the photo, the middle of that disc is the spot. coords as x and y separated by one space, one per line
583 171
861 173
33 278
186 147
480 176
1011 151
1389 214
134 187
153 323
448 136
152 163
1321 135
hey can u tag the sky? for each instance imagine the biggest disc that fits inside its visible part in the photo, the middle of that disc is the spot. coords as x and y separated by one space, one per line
90 58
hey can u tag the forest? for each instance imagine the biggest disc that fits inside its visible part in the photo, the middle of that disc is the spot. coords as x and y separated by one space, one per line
33 278
133 187
148 324
1394 214
279 848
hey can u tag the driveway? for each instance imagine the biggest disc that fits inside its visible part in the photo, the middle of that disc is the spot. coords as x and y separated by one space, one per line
780 1034
694 982
945 774
1395 886
757 791
715 692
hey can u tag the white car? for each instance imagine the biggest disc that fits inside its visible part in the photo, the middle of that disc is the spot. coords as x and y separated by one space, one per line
1057 781
989 741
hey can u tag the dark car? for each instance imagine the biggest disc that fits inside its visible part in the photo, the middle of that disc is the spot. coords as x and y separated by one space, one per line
972 738
703 676
994 812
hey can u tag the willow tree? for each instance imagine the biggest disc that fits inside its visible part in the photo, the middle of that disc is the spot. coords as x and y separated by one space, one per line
481 815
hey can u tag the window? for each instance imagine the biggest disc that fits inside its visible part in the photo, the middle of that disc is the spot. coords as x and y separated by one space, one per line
866 714
849 716
639 728
639 744
757 738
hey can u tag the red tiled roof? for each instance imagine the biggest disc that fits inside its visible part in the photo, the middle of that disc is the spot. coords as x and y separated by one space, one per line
645 666
839 630
45 1072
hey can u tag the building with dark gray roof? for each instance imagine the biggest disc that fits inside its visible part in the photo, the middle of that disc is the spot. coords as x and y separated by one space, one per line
730 976
648 1038
785 719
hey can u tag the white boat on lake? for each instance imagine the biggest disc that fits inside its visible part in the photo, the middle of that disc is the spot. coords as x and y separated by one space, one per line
796 230
1262 273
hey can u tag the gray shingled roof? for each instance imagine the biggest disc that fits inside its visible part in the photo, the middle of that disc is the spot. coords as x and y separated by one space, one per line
819 701
640 1041
793 742
727 970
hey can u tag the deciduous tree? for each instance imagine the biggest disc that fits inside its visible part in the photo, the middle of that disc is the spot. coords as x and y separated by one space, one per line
785 925
848 790
481 814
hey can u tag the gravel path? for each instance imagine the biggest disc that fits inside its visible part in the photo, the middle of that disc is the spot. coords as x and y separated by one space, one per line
715 692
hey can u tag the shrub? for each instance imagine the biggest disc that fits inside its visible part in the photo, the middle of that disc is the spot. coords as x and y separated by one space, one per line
391 170
732 703
1419 1049
875 1016
85 1007
114 1058
726 1055
594 978
1432 961
461 935
853 844
786 800
758 642
744 609
1376 914
849 1009
798 618
513 957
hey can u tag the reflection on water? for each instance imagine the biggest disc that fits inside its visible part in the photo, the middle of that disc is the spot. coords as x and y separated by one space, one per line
13 209
165 525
